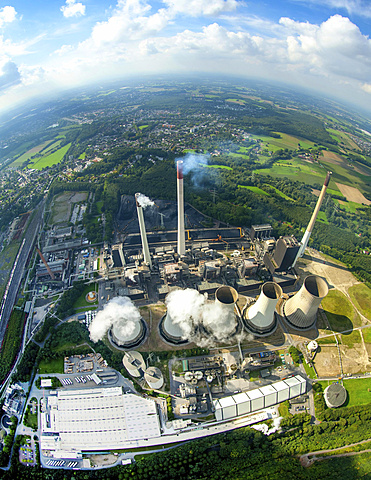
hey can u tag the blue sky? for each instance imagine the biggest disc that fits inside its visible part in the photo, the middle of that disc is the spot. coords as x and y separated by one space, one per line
46 45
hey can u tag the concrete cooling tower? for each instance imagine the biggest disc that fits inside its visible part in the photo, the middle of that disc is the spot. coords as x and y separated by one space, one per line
301 309
226 297
260 318
125 338
171 331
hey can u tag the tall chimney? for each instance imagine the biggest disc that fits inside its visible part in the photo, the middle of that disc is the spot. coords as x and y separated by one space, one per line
308 231
143 234
181 233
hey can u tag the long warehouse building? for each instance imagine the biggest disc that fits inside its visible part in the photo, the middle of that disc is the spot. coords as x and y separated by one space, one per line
259 398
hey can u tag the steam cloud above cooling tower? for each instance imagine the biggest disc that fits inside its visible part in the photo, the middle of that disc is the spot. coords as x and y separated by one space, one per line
193 163
144 201
121 313
188 309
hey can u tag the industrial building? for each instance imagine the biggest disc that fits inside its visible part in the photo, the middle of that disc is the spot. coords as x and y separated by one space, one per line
96 419
253 400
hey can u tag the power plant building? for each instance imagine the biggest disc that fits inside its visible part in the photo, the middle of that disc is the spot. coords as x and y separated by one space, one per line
259 398
96 419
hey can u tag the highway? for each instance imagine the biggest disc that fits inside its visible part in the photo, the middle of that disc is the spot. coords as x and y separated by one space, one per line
16 275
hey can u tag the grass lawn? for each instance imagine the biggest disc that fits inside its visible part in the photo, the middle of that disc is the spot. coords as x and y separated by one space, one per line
350 340
366 332
309 370
361 297
322 217
256 190
350 207
359 391
81 301
30 420
51 159
142 127
52 365
82 156
340 312
326 340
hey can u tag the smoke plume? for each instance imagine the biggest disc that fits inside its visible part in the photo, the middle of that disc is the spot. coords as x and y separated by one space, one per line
144 201
119 312
201 322
194 163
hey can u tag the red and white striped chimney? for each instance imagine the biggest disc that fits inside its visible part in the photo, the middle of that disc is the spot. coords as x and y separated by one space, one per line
180 196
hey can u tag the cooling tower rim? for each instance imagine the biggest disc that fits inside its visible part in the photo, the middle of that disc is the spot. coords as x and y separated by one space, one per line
321 284
277 290
167 338
221 291
132 343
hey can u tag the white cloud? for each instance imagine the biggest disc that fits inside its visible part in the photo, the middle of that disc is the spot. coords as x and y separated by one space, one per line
360 8
7 15
366 87
196 8
73 9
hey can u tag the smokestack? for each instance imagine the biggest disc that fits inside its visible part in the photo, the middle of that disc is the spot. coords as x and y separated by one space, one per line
306 236
143 234
301 309
181 233
260 317
226 297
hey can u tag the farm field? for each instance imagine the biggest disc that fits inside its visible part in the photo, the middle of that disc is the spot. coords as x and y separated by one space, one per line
27 155
352 194
298 169
51 159
342 137
286 141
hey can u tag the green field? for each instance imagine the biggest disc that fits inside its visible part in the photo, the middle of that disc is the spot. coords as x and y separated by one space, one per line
81 301
309 173
256 190
142 127
51 159
51 365
29 154
350 207
350 340
342 137
82 156
366 332
225 167
286 141
361 297
359 391
336 302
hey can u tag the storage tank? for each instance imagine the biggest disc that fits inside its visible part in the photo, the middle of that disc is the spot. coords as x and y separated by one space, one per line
134 363
300 310
154 378
227 297
260 318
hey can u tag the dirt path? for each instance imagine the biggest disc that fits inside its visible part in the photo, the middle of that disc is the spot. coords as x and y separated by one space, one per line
306 461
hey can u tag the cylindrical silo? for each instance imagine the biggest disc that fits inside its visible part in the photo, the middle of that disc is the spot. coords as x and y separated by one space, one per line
227 297
154 378
134 363
260 317
301 309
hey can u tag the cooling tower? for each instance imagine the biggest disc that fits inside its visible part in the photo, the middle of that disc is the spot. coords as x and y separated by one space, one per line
227 297
260 318
180 195
301 310
171 331
143 233
123 339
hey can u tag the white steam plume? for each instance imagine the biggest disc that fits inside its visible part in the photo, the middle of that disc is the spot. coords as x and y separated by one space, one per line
144 201
189 310
263 427
119 312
